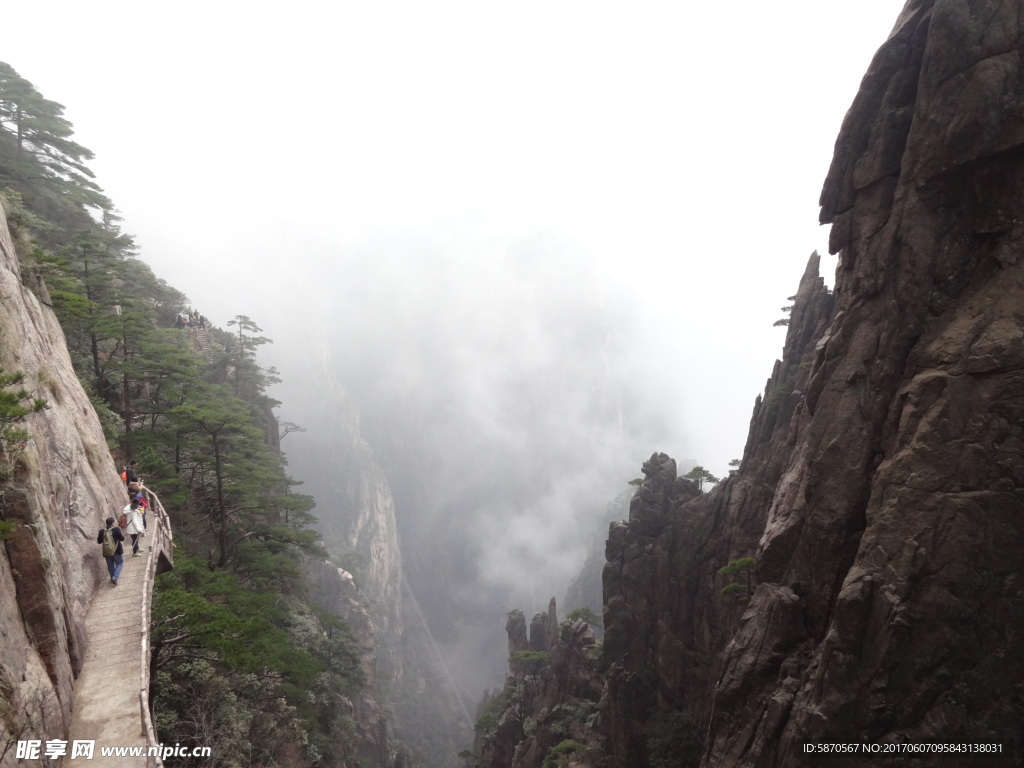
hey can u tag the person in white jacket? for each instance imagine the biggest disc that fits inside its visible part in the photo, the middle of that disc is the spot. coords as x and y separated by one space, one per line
136 525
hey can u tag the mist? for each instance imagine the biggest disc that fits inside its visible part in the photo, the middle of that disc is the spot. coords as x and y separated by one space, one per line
500 384
533 243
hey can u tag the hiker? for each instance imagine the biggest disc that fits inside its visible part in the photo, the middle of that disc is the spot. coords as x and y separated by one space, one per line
111 538
135 525
143 508
131 478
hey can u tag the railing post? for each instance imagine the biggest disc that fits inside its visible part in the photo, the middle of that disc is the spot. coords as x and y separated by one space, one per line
162 536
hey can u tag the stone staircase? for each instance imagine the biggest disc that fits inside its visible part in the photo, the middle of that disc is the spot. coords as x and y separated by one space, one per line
201 340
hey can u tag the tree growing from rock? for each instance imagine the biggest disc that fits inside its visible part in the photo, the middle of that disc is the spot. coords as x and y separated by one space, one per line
699 475
742 567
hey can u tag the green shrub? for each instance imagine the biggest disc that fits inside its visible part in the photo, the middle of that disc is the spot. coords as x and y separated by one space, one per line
493 707
673 741
534 661
14 407
776 396
557 754
586 614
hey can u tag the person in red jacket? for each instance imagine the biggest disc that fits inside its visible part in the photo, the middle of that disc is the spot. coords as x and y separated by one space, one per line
143 508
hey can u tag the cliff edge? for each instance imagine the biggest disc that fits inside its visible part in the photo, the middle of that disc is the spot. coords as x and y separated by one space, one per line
884 506
63 486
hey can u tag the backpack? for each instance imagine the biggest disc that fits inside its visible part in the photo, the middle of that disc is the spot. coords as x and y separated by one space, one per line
122 522
109 543
124 476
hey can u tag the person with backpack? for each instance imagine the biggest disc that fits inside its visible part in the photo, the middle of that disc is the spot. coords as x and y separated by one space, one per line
111 538
134 525
143 508
132 479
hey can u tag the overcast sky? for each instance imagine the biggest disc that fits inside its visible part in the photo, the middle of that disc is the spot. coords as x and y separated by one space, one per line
680 149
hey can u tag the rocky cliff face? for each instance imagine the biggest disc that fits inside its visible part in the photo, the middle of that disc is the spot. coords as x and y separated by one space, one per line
880 492
887 600
550 696
335 591
666 619
898 523
357 515
63 487
357 519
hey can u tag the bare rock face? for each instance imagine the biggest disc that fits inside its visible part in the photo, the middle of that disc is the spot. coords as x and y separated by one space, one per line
543 636
881 491
920 520
904 514
518 642
666 620
335 591
551 696
881 486
64 486
357 517
544 629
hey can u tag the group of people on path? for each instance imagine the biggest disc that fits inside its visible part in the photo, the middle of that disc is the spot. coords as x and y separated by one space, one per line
192 320
131 522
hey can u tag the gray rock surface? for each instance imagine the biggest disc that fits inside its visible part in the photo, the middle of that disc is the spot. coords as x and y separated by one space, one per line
335 591
64 486
880 490
548 700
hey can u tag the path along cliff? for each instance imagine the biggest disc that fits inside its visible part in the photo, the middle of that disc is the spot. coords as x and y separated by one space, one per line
52 576
108 709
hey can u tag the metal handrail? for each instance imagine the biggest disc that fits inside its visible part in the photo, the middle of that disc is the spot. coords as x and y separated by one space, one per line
161 532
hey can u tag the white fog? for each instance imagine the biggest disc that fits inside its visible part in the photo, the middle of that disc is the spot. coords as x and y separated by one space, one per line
534 242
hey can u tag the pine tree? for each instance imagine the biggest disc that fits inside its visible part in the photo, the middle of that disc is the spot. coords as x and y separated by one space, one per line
233 634
699 475
42 133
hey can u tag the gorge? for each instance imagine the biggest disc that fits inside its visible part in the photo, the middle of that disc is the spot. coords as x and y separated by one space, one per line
873 521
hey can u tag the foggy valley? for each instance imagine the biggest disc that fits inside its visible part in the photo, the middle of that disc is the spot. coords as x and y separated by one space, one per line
508 262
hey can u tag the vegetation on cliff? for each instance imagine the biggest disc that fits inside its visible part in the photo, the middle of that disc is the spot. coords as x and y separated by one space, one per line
547 713
15 405
242 662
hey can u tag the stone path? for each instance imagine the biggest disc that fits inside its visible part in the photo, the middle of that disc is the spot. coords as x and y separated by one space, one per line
110 693
202 339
